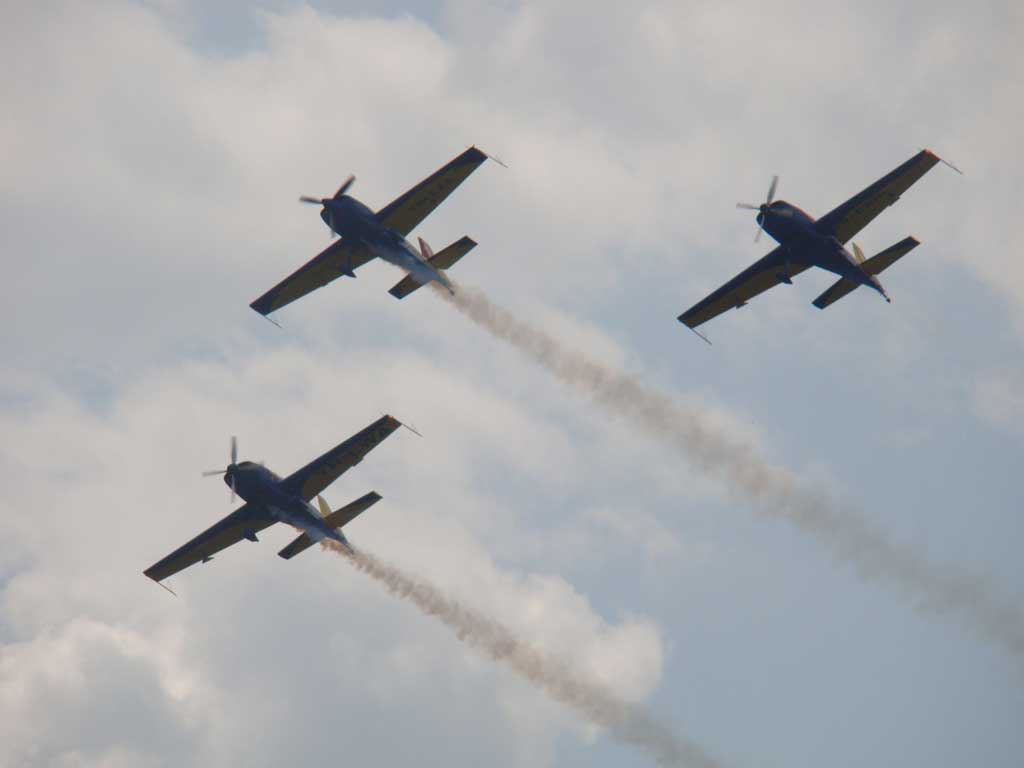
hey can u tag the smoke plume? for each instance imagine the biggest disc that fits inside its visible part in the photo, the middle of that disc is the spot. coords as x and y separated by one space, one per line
930 587
626 722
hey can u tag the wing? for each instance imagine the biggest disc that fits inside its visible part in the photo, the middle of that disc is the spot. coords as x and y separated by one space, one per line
860 210
319 473
405 213
243 523
342 257
755 279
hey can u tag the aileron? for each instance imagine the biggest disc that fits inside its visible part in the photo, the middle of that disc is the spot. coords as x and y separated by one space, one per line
321 472
406 212
753 281
846 220
243 523
342 257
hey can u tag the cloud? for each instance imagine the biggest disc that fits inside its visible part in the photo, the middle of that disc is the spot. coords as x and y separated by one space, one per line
243 625
149 194
89 693
998 398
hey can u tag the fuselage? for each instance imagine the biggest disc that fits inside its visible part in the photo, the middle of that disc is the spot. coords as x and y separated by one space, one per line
259 486
802 242
350 218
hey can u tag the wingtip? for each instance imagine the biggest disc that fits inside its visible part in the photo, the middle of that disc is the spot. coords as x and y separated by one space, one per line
159 583
263 309
396 423
487 155
704 338
942 160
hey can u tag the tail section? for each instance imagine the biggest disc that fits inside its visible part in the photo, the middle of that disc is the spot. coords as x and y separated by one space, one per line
335 520
440 261
873 266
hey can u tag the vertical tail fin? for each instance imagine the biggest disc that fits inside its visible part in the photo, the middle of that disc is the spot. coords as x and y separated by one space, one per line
426 250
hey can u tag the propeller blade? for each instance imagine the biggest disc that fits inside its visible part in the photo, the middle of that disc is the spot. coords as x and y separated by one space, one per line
344 187
308 199
771 190
212 472
760 229
748 207
232 489
234 450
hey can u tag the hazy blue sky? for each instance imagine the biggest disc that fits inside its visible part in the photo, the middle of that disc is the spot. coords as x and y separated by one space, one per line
153 153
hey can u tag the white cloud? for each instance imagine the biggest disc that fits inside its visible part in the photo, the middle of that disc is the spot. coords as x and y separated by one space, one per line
112 493
148 195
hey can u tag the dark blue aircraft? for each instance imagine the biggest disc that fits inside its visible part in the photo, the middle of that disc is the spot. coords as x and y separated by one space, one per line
271 499
366 235
805 242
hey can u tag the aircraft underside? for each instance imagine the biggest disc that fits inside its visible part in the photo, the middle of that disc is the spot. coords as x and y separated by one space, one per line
306 521
404 257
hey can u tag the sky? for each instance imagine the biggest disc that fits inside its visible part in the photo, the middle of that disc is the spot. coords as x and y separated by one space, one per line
153 155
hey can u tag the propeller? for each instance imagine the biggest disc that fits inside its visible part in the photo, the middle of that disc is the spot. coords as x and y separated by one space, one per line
230 468
763 208
324 200
344 187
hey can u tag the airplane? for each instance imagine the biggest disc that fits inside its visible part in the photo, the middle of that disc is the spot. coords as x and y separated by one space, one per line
805 242
366 235
271 499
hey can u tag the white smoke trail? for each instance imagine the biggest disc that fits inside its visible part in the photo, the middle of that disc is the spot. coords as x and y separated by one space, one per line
930 587
626 722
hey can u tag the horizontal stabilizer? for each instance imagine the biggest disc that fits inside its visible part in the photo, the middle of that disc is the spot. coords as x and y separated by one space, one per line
334 520
443 260
882 261
873 266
